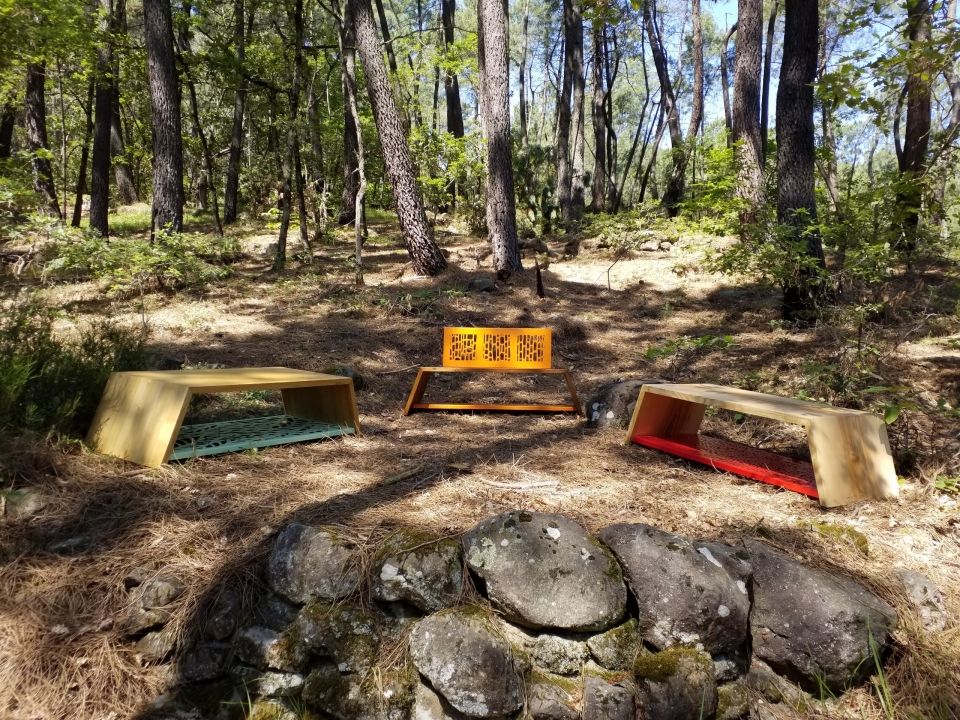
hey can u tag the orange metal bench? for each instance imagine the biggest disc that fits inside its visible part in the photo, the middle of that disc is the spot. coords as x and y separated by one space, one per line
502 350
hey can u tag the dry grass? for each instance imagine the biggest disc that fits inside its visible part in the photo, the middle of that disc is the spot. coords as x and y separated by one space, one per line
211 521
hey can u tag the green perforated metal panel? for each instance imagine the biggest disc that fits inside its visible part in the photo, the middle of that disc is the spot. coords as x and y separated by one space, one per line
232 435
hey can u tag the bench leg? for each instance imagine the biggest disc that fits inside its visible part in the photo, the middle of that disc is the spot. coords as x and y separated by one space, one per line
416 392
568 378
851 459
663 416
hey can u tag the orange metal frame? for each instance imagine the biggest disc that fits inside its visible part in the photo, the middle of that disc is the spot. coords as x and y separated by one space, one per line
500 350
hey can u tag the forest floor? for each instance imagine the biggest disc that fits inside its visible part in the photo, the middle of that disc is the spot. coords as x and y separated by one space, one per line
211 520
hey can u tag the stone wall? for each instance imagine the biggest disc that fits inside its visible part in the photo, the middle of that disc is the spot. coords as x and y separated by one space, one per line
529 616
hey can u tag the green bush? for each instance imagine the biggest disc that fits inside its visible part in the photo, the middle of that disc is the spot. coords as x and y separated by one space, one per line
49 383
171 260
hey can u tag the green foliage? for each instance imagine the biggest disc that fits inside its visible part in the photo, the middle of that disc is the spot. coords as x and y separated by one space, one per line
53 383
17 199
711 205
172 260
947 484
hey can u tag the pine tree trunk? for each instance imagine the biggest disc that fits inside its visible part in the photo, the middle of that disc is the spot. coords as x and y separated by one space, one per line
746 111
765 96
426 256
123 174
916 140
451 85
103 116
8 118
84 157
574 46
796 200
231 196
348 76
676 181
521 76
492 24
36 121
564 165
696 47
725 84
165 107
599 184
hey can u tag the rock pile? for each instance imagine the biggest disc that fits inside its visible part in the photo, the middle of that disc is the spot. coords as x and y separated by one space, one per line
529 616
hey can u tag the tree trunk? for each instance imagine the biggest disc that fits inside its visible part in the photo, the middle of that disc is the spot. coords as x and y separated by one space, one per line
165 106
913 159
574 44
675 183
103 116
36 121
610 69
696 102
492 32
636 137
765 96
123 174
725 84
451 86
522 74
346 38
231 199
564 166
290 167
426 256
351 135
746 111
8 118
385 32
796 200
598 202
84 157
202 137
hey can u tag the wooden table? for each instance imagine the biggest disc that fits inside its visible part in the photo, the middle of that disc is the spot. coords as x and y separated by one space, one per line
141 413
850 455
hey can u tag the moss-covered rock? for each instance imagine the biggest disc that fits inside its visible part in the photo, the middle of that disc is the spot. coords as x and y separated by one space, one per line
345 632
617 648
358 696
676 684
423 570
308 563
733 701
553 697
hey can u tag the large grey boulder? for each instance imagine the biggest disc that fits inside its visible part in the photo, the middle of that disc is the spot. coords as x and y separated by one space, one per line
813 627
465 661
687 592
563 656
545 571
425 571
309 563
676 684
608 697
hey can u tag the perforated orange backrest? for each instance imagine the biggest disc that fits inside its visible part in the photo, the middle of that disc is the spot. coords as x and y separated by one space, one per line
507 348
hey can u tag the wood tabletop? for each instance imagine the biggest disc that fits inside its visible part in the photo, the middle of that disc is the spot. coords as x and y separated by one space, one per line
230 379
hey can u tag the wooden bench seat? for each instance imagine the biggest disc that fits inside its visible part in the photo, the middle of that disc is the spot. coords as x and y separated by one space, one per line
493 350
140 416
850 457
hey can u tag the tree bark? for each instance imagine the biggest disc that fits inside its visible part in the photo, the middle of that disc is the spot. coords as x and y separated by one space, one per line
574 44
426 256
673 194
185 60
796 200
231 195
8 118
725 84
385 32
696 102
36 121
746 111
916 140
351 135
84 157
103 116
451 85
564 166
123 173
524 46
598 201
765 93
165 106
493 38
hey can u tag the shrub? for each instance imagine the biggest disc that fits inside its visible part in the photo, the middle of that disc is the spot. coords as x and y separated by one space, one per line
50 383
